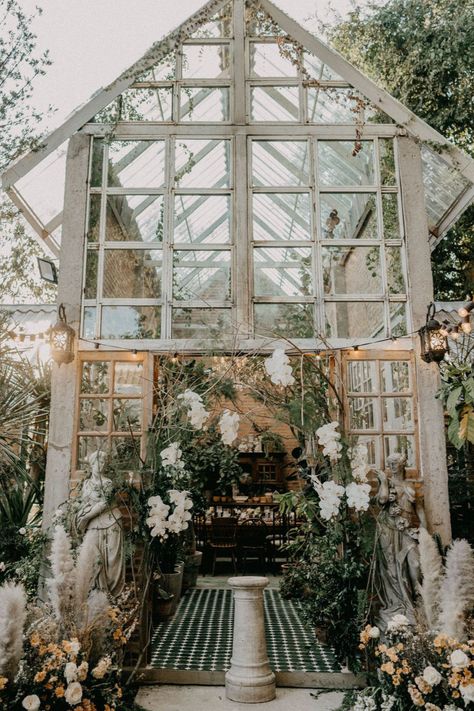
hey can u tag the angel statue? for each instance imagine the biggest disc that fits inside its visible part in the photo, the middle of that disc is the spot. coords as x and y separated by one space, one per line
101 521
398 564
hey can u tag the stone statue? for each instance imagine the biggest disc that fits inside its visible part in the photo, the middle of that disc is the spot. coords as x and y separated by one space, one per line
398 565
100 521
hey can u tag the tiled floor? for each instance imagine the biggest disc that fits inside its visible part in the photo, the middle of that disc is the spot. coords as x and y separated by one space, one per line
199 637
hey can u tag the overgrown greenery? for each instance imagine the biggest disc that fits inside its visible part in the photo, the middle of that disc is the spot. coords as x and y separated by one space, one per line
457 391
421 52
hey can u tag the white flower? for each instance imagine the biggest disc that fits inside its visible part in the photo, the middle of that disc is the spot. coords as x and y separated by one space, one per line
396 622
359 457
2 567
387 703
330 495
229 426
31 703
459 659
329 438
467 692
374 633
171 456
22 531
197 413
358 496
102 667
73 693
432 676
70 672
75 646
278 368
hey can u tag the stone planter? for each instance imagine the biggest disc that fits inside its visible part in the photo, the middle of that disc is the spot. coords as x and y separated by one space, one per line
191 570
172 583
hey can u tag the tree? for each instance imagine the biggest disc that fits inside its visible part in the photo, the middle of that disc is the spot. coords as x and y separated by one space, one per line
421 52
20 65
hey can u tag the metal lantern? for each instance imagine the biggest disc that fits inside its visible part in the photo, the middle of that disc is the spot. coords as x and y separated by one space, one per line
61 339
434 344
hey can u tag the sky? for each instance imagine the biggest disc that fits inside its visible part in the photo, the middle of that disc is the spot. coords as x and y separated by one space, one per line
92 41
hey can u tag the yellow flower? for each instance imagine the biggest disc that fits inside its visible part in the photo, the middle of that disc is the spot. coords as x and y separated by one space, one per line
415 696
59 691
40 676
388 668
396 680
35 639
3 682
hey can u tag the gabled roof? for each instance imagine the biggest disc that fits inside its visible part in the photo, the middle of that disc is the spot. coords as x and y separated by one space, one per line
459 165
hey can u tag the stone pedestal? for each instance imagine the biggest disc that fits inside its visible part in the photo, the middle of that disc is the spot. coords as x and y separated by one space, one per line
249 679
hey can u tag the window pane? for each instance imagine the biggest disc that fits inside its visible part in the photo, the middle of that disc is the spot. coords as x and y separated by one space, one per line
395 272
203 164
94 218
90 286
351 270
201 323
283 271
395 376
400 444
136 164
362 376
348 216
388 175
328 105
288 320
266 60
127 415
339 166
89 323
132 273
131 322
398 319
128 378
125 453
274 103
443 184
87 446
206 61
363 413
164 70
205 104
93 415
202 219
147 104
284 163
317 70
137 218
95 378
281 216
201 275
346 319
397 413
391 226
373 445
97 162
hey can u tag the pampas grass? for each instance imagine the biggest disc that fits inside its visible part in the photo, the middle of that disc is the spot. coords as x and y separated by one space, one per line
12 622
432 571
457 590
63 583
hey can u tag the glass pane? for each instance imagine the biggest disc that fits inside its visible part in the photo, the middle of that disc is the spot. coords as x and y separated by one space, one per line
373 445
329 105
339 165
266 60
346 319
202 219
128 378
97 162
348 216
125 453
400 444
281 216
155 104
220 24
132 273
93 415
283 271
95 379
203 164
43 185
397 413
395 271
201 275
351 270
206 104
274 103
391 226
317 70
127 415
398 319
201 323
87 446
164 70
284 163
363 413
136 164
90 286
443 184
138 218
94 218
395 376
362 376
388 175
206 61
131 322
288 320
89 323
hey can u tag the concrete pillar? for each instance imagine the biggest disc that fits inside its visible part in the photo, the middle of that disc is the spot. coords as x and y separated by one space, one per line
249 679
431 433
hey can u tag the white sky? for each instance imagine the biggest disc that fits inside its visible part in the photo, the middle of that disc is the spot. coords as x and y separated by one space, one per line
92 41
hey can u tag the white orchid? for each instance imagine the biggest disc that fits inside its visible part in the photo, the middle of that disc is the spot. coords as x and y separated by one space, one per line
330 495
162 522
197 413
279 369
229 426
171 456
328 438
359 457
358 496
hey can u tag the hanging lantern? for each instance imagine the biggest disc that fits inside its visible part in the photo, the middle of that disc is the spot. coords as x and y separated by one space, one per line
434 344
61 339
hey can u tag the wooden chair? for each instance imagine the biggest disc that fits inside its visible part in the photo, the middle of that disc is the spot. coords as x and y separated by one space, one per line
252 541
223 539
276 541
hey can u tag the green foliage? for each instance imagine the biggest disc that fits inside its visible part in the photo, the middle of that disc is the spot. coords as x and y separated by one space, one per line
457 392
